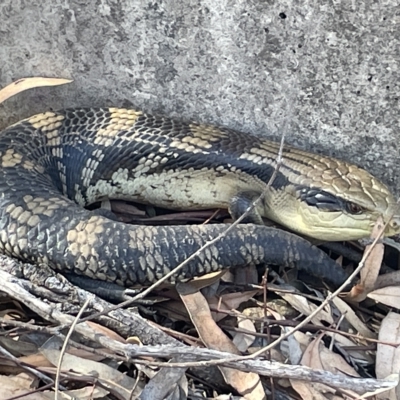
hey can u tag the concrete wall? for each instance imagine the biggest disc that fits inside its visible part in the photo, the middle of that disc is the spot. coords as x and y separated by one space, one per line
232 63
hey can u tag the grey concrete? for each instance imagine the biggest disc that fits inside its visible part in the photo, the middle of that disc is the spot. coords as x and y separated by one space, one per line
231 63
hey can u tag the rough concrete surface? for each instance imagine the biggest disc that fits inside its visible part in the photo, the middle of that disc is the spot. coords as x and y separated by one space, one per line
234 63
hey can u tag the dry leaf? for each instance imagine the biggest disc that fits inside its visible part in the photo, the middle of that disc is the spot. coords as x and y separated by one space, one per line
335 363
244 340
246 383
389 279
343 341
167 383
203 281
311 358
388 295
307 391
295 351
19 385
29 83
303 339
36 360
21 347
373 263
352 318
228 302
85 393
388 357
317 356
305 307
372 266
109 377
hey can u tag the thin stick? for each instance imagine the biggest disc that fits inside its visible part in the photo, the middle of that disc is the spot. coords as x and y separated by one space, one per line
64 347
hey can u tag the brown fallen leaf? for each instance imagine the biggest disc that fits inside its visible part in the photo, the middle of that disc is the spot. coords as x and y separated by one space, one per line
36 360
374 261
372 266
246 383
335 363
29 83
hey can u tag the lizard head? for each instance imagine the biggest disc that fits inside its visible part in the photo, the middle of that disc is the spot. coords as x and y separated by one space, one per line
338 202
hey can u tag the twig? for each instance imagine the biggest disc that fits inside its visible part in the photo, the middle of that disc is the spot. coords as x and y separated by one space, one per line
196 357
64 346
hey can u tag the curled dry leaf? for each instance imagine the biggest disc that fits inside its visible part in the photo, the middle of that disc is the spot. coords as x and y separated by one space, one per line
29 83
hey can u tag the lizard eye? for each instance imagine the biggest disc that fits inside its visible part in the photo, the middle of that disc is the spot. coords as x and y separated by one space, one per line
327 202
353 208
